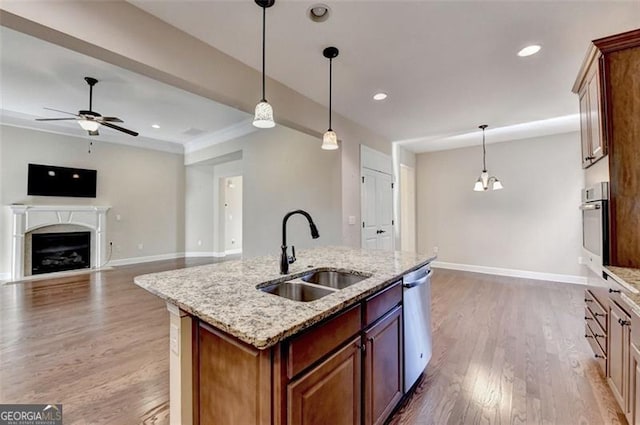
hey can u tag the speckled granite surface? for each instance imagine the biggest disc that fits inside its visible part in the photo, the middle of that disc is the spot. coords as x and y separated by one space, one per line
225 295
627 277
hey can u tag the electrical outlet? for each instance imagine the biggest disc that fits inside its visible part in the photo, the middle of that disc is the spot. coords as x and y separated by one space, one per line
352 219
199 242
118 217
435 249
581 260
140 246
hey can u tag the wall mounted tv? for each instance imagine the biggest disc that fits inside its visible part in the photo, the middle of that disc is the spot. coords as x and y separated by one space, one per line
47 180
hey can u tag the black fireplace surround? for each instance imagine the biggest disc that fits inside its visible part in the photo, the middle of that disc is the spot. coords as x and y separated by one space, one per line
55 252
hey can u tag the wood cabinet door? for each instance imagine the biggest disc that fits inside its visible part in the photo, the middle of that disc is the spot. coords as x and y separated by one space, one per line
596 135
585 130
634 386
618 354
383 358
330 392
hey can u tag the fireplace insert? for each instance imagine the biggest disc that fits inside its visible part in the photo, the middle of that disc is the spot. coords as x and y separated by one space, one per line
54 252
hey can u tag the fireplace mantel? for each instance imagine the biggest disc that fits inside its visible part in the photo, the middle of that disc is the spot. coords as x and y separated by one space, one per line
27 218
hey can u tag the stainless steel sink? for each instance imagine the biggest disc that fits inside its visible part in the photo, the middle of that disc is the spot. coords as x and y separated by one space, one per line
297 291
333 279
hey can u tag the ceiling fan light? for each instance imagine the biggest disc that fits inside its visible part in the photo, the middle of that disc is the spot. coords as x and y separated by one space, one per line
89 125
264 115
330 140
497 185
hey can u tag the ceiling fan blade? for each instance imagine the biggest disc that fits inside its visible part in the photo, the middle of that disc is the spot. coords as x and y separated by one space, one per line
55 119
64 112
115 127
110 119
93 133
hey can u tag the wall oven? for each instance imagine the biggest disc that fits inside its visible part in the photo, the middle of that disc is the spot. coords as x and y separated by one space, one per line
595 225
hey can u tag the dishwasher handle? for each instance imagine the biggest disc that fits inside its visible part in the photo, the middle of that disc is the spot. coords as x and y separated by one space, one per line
418 282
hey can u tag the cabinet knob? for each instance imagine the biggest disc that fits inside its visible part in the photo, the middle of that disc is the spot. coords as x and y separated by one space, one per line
589 158
598 356
598 314
624 322
598 336
588 300
587 336
588 318
614 291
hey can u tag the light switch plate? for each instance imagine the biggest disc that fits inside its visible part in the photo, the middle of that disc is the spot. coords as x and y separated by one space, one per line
352 219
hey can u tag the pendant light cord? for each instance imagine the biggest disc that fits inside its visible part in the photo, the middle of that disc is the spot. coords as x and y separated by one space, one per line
90 97
330 88
484 154
264 24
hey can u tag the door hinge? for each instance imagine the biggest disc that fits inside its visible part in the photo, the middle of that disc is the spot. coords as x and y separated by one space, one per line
391 185
393 222
363 224
362 179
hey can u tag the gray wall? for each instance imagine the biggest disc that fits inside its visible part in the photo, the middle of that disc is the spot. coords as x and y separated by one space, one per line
145 187
533 224
283 170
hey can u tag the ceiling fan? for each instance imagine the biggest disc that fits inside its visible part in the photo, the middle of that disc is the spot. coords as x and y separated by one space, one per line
90 120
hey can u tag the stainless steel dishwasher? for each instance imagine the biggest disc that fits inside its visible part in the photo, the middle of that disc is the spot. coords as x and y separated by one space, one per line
417 323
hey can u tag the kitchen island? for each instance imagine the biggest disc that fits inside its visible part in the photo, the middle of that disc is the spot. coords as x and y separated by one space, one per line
240 354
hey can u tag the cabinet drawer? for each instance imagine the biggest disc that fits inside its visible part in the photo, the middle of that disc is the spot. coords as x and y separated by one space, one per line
599 336
590 320
598 315
598 353
594 300
382 302
315 343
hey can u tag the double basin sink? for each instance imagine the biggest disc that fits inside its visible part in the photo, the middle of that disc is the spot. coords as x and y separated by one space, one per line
314 285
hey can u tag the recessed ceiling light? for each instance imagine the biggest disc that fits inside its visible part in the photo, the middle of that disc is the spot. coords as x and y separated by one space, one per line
529 50
319 12
380 96
155 126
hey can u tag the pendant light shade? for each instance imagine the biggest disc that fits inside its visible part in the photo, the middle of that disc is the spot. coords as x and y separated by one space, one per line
264 115
330 138
264 112
483 182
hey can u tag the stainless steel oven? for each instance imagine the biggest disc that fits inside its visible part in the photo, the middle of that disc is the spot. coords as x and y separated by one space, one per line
595 222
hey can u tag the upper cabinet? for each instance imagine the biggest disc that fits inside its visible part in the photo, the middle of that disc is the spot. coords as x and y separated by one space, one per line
588 88
608 87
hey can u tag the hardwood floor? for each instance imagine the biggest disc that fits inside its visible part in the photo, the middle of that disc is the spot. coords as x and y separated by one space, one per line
506 351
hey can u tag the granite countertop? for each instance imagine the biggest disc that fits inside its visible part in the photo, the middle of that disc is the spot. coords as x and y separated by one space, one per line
225 295
630 279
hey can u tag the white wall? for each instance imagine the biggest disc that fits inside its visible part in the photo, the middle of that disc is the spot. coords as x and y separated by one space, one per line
199 209
145 187
533 224
283 170
233 213
401 156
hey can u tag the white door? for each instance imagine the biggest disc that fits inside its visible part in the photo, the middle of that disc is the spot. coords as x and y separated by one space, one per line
377 210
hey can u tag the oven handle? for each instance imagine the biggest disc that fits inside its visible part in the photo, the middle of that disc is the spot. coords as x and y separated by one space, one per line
418 282
588 207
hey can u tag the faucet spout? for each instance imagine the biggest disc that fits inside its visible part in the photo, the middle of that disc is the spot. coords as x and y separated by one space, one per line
285 260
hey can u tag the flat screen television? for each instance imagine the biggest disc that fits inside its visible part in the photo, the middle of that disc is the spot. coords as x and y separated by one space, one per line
48 180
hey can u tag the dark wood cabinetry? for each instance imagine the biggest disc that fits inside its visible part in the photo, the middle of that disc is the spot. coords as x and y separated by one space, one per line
330 392
383 367
619 340
346 370
594 146
608 86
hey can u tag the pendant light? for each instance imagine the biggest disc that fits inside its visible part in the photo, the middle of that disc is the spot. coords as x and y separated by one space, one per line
330 138
484 180
264 112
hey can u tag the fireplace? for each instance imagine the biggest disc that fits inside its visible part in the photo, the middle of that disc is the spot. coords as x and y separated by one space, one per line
55 252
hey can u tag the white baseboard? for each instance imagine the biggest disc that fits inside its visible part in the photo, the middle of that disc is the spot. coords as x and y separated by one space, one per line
233 251
196 254
5 277
552 277
147 259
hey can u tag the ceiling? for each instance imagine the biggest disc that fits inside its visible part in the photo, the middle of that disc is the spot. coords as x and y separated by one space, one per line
447 66
36 74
